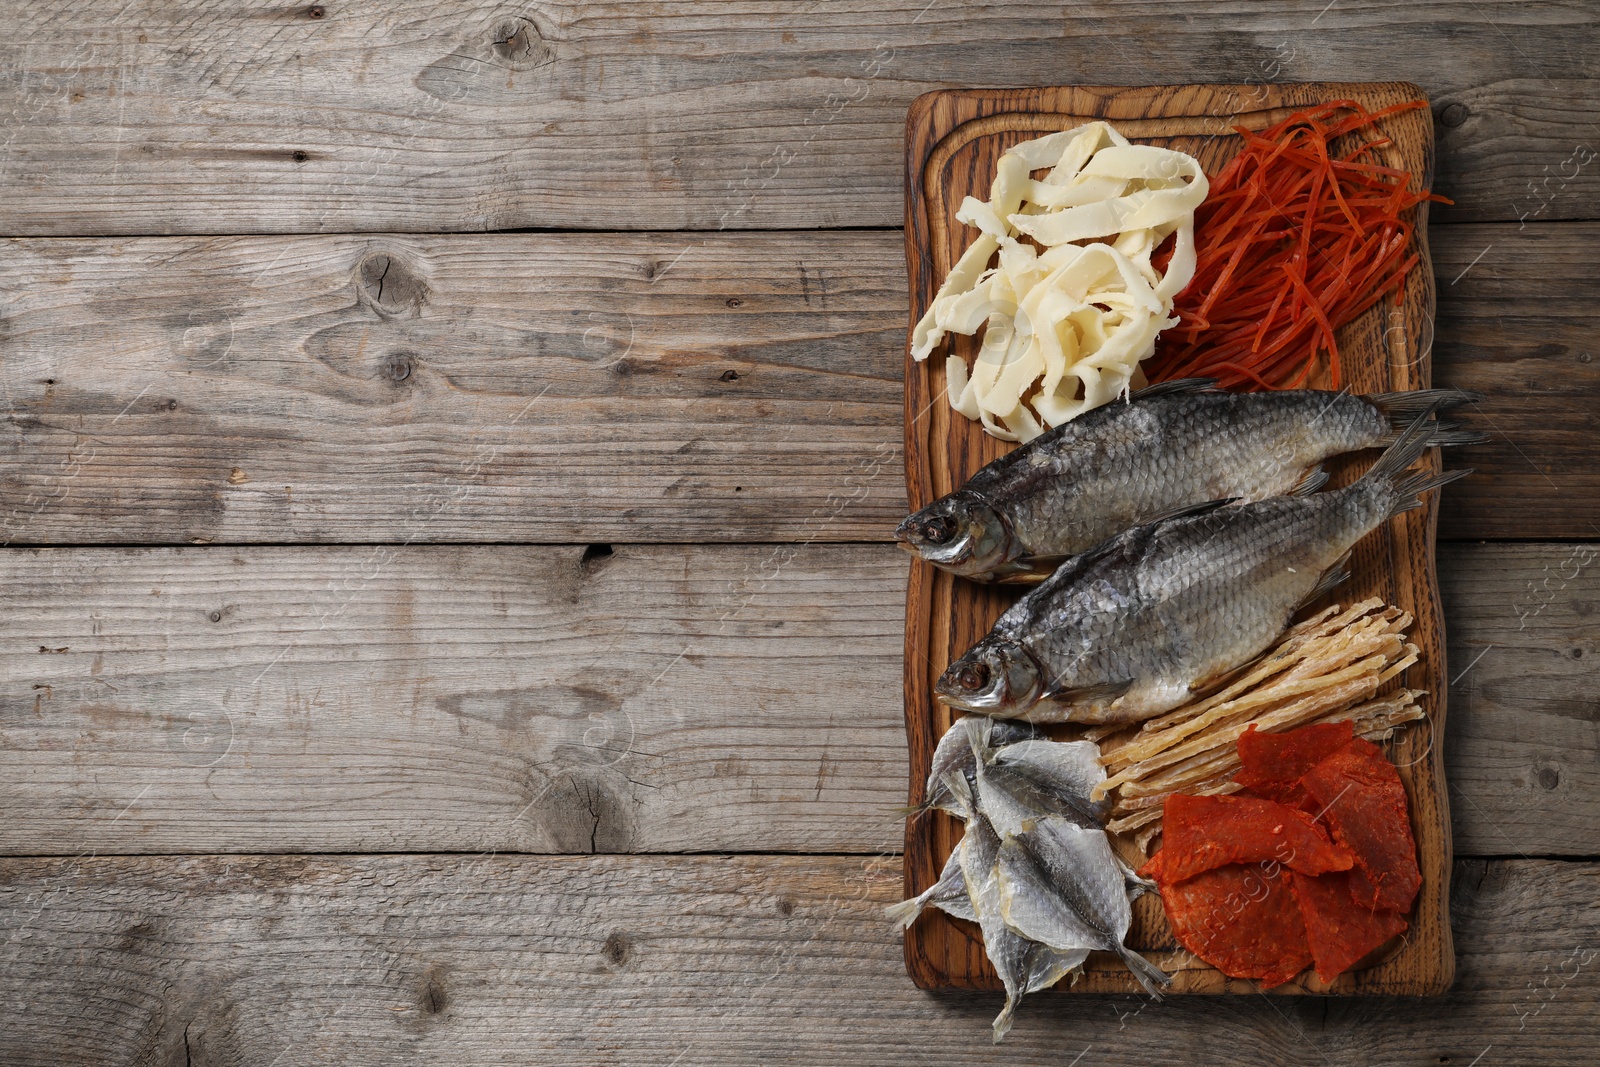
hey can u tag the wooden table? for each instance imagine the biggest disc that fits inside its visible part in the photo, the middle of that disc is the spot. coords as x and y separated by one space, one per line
448 456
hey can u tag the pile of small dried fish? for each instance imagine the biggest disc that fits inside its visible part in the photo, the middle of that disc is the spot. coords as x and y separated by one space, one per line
1035 870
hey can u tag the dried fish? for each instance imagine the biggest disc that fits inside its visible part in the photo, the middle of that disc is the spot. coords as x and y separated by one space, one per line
1061 885
1171 446
1135 626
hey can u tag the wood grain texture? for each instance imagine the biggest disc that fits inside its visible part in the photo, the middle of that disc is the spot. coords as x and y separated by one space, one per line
414 116
415 388
757 377
1515 322
954 140
480 960
514 699
1524 713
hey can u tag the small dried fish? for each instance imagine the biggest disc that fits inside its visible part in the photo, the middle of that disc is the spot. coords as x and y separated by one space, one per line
1029 779
954 755
1024 966
1061 885
1007 790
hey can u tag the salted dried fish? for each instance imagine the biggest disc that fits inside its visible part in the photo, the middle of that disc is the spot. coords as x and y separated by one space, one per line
954 755
1170 446
1062 886
1029 779
1024 966
1133 627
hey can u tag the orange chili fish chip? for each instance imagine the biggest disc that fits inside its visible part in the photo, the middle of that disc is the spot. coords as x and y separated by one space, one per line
1203 833
1339 930
1242 922
1364 803
1273 764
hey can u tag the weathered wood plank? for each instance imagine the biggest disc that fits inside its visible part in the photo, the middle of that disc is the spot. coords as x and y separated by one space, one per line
474 116
664 387
608 387
663 699
523 699
233 960
1524 732
1516 322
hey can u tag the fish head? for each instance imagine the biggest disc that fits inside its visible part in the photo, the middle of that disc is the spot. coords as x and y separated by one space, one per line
961 533
995 677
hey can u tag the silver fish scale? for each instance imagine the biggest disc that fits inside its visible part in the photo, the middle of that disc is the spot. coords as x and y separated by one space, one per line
1175 603
1123 463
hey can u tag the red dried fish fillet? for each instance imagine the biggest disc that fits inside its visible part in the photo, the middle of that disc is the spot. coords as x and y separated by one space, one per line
1273 764
1339 930
1203 833
1240 921
1364 803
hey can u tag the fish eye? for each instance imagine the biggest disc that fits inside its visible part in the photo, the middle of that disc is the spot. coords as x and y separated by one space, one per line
975 676
939 530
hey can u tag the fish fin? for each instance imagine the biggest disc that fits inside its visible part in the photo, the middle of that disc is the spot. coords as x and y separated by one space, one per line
1103 690
1190 510
1153 978
1175 387
1401 408
905 913
1407 448
1135 885
1392 475
1409 490
1029 570
1332 577
911 811
1310 482
978 728
956 782
1073 566
1002 1022
1447 434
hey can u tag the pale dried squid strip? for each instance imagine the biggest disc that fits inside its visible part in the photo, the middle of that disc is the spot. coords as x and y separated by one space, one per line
1075 320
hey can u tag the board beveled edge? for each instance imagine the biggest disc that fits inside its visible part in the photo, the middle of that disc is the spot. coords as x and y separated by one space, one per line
922 139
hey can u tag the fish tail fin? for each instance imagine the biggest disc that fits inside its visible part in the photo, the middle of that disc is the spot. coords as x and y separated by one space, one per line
1153 978
905 913
1408 490
911 811
1002 1022
1402 409
1447 434
1392 475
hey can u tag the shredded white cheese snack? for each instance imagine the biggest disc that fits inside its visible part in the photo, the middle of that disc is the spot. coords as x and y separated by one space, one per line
1066 328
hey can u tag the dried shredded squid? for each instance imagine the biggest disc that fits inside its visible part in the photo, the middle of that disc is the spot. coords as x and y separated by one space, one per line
1064 329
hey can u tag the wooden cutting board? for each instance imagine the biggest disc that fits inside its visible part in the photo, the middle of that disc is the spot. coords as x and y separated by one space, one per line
953 140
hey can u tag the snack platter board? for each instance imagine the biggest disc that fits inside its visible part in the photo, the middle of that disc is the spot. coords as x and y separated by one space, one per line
953 140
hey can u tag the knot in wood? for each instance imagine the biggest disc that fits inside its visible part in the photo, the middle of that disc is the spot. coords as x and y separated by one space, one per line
520 45
389 286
